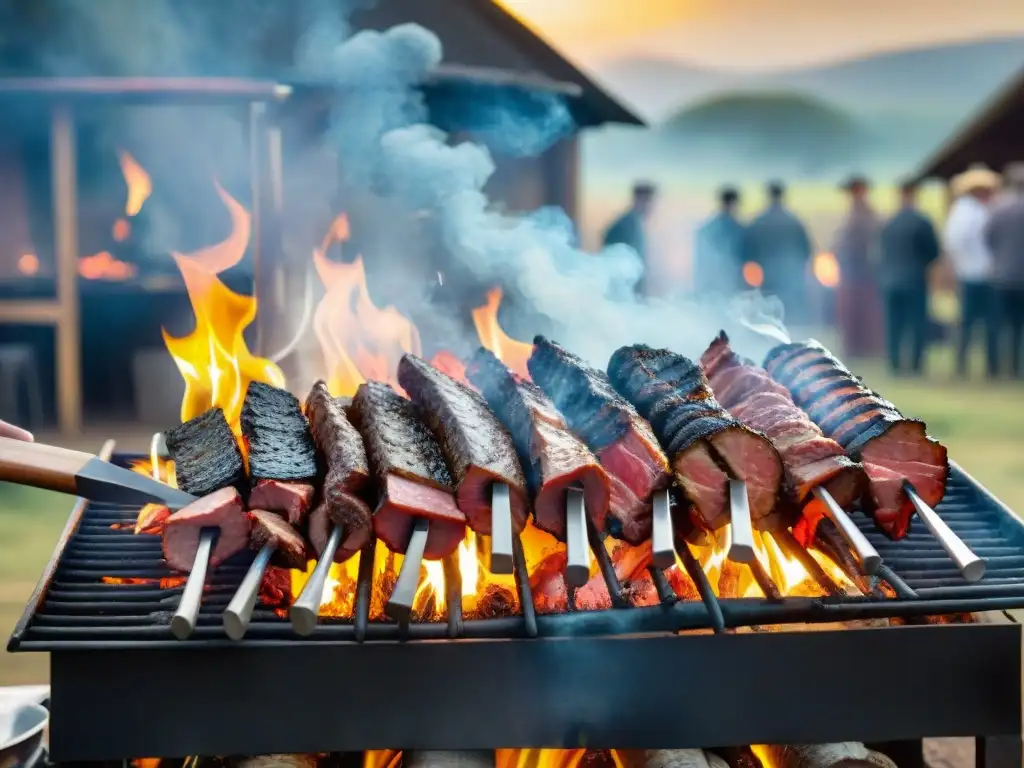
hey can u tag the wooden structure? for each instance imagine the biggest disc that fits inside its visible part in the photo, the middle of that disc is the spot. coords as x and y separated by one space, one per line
993 137
484 46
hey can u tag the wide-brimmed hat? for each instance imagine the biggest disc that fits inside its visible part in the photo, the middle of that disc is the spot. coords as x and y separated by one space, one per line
974 178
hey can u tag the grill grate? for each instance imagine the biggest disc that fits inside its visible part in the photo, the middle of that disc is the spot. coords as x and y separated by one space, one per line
76 609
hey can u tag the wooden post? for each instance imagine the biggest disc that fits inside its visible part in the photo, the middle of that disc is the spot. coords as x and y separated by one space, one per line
561 174
63 164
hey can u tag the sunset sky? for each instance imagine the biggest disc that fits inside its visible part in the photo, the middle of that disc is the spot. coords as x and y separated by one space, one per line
760 34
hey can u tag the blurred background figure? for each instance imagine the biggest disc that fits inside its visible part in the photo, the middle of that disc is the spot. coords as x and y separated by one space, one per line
909 246
777 241
1004 237
718 250
972 263
629 228
858 305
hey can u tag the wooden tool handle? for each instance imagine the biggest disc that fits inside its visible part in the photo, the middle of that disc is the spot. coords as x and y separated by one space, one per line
41 466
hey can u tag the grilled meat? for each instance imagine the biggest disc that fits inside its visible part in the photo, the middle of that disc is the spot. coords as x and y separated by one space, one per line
892 449
291 500
553 458
206 455
611 428
277 435
410 475
271 528
346 473
810 459
222 510
700 435
478 449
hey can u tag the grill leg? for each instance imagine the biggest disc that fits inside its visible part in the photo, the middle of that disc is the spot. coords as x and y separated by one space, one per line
906 754
998 751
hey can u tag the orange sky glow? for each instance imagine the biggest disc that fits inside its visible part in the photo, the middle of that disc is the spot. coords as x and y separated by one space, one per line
760 34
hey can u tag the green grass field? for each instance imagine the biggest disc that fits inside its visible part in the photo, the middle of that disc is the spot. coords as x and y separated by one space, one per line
982 424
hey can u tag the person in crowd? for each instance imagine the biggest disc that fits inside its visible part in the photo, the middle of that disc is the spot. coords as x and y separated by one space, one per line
1004 237
718 250
777 241
969 253
629 228
909 246
858 305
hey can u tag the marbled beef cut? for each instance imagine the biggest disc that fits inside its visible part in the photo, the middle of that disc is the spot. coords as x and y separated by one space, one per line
289 546
222 510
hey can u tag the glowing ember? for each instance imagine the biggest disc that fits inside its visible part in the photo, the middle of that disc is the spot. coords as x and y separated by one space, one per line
753 275
826 269
28 264
167 582
511 352
103 266
214 359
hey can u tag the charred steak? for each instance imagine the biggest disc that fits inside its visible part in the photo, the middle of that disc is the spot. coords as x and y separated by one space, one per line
478 449
206 454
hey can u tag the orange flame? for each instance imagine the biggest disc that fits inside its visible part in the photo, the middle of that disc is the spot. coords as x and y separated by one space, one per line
28 264
753 275
104 266
214 359
140 186
359 341
510 351
539 758
225 254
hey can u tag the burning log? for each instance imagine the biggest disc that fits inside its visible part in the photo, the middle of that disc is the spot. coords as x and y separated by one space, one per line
847 754
279 761
671 758
490 486
439 759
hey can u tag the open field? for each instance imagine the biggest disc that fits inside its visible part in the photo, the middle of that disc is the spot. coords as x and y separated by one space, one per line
982 424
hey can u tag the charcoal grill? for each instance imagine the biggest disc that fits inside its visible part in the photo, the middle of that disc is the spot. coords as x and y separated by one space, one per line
619 678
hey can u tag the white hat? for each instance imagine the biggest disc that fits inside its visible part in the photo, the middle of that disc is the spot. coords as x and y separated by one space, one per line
975 177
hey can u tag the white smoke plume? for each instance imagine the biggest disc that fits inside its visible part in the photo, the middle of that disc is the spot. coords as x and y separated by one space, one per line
385 145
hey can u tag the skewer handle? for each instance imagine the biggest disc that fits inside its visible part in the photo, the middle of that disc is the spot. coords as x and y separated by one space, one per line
866 554
741 543
501 529
972 567
183 623
305 611
239 611
577 547
399 605
662 535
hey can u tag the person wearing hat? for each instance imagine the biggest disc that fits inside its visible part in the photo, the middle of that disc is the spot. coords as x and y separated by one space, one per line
777 241
972 262
858 305
718 250
628 229
909 246
1004 236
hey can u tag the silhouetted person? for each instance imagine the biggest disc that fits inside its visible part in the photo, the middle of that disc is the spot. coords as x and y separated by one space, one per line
858 306
1004 236
909 247
972 263
629 230
777 241
718 251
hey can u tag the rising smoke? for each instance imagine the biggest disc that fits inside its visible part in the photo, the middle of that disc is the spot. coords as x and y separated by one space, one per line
385 144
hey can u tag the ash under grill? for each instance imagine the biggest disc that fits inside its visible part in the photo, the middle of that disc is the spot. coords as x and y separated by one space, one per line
79 610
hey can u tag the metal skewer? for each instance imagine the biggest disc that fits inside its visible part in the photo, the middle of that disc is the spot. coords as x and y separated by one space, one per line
183 623
741 532
972 567
237 615
501 529
577 546
399 605
662 534
866 554
305 611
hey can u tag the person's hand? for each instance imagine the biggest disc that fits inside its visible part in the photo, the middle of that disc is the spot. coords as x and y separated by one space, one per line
15 433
